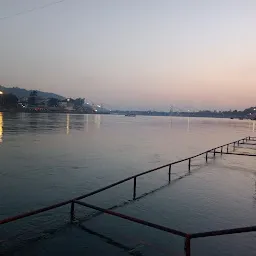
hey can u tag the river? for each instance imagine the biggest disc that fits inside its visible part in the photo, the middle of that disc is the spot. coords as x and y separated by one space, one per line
47 158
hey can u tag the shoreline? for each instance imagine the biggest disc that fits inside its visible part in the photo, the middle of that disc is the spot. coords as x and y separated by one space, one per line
48 111
120 114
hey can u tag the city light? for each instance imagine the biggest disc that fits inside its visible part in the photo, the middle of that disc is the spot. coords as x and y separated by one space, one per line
1 93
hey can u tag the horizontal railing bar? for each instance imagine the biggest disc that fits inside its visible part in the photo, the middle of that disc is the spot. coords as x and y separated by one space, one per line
185 159
224 232
34 212
236 154
253 144
133 219
54 206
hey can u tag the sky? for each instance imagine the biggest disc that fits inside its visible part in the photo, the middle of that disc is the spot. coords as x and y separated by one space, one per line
127 54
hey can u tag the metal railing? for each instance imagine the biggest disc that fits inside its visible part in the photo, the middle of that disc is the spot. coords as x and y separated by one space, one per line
126 217
187 236
133 177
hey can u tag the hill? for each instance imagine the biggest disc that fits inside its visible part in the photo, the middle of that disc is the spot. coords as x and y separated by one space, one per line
20 92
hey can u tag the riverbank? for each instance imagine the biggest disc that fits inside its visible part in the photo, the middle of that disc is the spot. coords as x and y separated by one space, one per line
50 111
123 113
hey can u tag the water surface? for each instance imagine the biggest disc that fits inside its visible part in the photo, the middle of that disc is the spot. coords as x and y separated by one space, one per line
46 158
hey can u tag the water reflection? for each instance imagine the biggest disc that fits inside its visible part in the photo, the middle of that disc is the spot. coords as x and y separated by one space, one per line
170 123
33 121
188 127
97 120
1 127
82 122
77 122
87 121
68 123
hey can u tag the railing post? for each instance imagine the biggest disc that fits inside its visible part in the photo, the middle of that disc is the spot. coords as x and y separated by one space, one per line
234 146
134 188
238 143
189 164
206 157
187 245
249 137
227 148
170 168
221 150
214 152
72 212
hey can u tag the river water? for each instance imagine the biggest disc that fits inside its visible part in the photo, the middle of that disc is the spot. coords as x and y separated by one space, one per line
47 158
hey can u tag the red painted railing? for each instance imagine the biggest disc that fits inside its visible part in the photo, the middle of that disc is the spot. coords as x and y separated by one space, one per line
187 236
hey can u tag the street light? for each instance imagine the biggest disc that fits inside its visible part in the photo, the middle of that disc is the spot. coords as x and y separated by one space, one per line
1 93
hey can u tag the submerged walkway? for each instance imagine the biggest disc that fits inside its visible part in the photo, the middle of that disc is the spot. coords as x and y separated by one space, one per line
227 149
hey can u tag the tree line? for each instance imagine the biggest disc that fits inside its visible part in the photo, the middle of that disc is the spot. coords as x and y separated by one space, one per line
9 100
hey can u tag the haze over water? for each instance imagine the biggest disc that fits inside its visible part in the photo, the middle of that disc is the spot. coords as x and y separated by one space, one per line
47 158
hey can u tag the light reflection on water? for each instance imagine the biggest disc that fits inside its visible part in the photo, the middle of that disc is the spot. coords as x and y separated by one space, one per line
41 165
68 122
20 123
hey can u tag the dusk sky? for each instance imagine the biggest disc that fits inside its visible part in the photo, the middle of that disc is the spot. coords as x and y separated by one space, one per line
141 54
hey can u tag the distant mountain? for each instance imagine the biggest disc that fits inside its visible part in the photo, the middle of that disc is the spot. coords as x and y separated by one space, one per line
20 92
